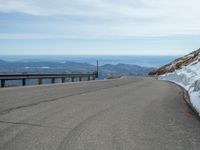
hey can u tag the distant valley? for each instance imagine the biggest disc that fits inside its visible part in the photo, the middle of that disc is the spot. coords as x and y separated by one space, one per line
105 71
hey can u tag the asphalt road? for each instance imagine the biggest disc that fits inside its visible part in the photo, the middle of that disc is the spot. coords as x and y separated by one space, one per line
121 114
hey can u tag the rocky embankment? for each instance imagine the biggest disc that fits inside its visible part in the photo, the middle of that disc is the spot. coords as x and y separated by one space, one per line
177 64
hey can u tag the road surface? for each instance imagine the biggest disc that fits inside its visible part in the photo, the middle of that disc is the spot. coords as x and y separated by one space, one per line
122 114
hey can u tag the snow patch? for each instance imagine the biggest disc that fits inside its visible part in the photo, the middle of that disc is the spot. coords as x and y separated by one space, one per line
189 78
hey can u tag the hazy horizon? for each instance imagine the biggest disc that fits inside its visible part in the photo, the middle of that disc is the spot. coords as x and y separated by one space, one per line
125 55
147 61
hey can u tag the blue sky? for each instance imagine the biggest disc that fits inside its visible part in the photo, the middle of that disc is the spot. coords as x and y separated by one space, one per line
105 27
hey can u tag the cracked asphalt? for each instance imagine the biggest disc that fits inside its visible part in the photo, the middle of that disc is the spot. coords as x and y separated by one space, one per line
120 114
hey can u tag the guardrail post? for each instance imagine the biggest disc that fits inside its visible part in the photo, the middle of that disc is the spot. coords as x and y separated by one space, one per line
80 78
23 82
93 76
2 83
63 79
72 79
40 81
53 80
88 78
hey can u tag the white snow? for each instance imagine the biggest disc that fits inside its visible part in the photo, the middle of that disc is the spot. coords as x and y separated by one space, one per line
189 78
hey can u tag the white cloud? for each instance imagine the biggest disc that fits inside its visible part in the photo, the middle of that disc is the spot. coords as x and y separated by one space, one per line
119 17
11 36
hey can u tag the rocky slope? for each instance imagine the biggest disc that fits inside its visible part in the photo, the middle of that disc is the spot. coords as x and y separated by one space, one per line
178 63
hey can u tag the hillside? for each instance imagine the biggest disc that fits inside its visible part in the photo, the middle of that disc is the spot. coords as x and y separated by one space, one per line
184 71
177 64
105 71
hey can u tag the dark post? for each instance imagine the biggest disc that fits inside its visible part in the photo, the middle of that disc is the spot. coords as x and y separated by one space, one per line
80 78
72 79
23 82
94 76
97 72
89 78
63 79
53 80
2 83
40 81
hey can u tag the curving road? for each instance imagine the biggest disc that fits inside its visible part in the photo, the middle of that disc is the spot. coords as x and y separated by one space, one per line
121 114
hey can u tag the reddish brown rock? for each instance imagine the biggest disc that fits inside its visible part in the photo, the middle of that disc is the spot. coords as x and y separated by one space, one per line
177 64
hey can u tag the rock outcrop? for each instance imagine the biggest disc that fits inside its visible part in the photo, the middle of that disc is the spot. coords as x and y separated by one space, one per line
177 64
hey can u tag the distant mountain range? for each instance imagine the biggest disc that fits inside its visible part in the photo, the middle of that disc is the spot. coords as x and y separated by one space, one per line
105 71
123 70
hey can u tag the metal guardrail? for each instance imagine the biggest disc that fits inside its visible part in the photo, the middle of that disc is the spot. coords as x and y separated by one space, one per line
40 76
